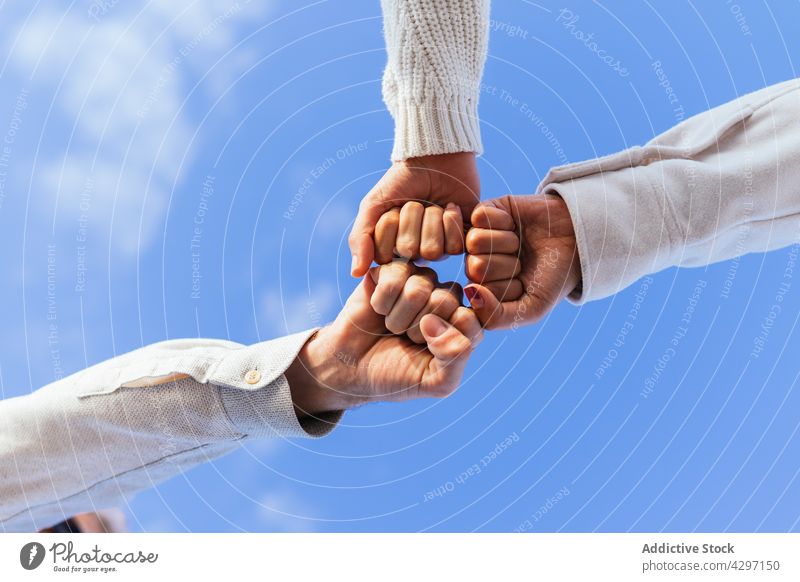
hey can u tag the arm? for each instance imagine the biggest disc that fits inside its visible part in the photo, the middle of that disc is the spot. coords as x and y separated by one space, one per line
723 183
107 432
436 52
101 435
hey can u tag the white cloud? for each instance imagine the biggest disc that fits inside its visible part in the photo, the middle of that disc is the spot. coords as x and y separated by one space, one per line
117 84
292 312
336 223
286 512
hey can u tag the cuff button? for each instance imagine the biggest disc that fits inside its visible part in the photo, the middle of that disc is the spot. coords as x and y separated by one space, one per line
252 377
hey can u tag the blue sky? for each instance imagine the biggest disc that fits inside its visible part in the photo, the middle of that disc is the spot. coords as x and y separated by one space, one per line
183 169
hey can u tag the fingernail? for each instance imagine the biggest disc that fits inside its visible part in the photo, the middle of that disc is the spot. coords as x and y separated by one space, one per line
453 206
474 297
437 327
353 265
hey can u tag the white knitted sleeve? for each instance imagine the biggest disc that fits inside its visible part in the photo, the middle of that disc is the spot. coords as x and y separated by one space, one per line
436 52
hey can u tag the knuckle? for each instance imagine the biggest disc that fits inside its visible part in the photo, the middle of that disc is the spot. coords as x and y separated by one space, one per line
460 315
478 212
382 257
463 345
443 300
407 246
477 266
418 289
390 287
384 294
394 326
414 206
474 238
415 335
391 222
377 305
455 247
433 216
430 251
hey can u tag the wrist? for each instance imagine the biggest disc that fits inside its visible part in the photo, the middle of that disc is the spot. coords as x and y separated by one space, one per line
562 218
317 378
439 162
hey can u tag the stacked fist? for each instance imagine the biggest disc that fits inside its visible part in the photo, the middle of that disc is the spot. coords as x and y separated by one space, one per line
521 250
416 231
404 334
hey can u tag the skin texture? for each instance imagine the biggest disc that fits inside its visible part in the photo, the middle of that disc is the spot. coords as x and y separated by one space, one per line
431 181
358 359
510 289
417 231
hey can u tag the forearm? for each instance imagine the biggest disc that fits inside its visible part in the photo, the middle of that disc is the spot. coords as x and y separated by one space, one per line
99 436
723 183
436 52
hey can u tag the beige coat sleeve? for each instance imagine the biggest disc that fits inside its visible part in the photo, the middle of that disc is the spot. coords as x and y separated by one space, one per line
721 184
95 438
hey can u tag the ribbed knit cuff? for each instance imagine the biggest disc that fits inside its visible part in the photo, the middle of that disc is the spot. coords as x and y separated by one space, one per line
435 126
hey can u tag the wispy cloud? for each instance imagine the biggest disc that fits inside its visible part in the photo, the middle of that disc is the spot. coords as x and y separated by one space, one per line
111 80
284 511
291 312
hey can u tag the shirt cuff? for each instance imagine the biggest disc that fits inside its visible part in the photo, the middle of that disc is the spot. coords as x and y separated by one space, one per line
434 126
256 395
623 222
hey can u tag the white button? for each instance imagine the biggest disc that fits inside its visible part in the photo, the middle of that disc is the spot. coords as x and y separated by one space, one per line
252 377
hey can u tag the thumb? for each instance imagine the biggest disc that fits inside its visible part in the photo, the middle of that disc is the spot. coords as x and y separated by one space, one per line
358 315
450 349
492 313
362 249
360 241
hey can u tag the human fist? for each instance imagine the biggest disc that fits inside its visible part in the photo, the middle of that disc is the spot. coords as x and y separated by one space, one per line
405 293
417 231
433 181
511 288
360 357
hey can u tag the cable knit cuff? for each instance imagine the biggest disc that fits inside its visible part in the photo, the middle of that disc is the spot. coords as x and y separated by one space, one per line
435 126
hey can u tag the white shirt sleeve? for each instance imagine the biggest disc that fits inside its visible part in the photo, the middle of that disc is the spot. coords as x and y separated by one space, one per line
721 184
431 84
95 438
